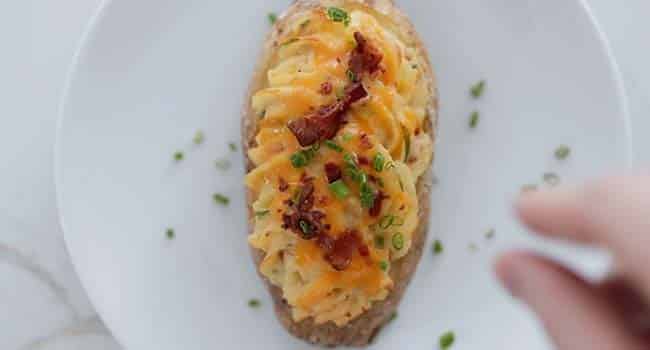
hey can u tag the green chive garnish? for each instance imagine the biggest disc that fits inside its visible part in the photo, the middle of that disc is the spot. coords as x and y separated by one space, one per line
178 156
393 316
367 195
333 145
378 162
299 159
562 152
220 199
305 227
254 303
222 164
346 137
407 144
351 75
438 247
552 179
232 146
477 89
383 265
474 119
170 233
380 241
447 340
272 18
339 189
398 241
198 137
261 213
338 15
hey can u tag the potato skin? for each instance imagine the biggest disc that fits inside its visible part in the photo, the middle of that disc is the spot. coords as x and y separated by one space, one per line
360 331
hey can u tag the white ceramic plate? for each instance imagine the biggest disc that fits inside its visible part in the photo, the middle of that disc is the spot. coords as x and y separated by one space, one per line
150 73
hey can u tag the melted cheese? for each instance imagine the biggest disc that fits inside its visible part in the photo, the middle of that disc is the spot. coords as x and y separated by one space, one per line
313 50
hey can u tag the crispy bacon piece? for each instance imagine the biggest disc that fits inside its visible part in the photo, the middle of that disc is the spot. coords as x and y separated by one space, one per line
327 120
325 88
339 251
300 218
375 210
333 172
365 57
363 160
282 184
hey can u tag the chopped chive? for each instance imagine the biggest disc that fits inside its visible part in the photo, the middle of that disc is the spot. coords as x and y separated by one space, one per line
393 316
380 241
333 145
562 152
351 75
438 248
339 189
170 233
261 213
477 89
222 164
367 195
386 221
383 265
338 15
398 241
198 137
232 146
272 18
472 247
407 144
490 233
220 199
447 340
346 137
305 227
414 66
552 179
254 303
298 159
178 156
378 162
474 119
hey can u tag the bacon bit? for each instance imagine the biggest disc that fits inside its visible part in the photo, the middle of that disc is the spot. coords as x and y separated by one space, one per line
365 141
327 120
364 251
376 205
283 186
339 251
363 160
417 131
323 200
300 211
325 88
365 57
333 172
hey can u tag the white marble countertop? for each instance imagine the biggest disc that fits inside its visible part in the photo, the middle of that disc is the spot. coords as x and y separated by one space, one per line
43 306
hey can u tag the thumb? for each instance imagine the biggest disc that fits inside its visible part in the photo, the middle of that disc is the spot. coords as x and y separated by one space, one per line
572 311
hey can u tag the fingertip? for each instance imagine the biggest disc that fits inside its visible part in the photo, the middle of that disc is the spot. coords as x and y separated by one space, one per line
510 269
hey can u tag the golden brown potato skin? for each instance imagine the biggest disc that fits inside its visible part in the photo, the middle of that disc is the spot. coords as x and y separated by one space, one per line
360 331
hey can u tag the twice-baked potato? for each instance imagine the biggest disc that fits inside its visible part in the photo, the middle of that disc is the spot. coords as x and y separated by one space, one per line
339 131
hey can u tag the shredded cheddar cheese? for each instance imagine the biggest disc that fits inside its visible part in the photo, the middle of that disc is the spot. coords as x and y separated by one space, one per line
390 122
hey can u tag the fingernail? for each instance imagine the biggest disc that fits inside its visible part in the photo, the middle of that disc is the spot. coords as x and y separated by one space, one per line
509 274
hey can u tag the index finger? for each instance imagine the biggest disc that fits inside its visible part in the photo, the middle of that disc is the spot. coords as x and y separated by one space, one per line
613 213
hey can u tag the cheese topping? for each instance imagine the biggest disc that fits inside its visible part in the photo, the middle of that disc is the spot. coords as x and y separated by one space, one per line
331 217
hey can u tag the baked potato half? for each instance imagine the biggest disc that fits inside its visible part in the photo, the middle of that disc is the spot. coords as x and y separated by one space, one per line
339 133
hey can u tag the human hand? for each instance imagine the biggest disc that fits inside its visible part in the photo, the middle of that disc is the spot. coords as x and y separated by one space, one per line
613 214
